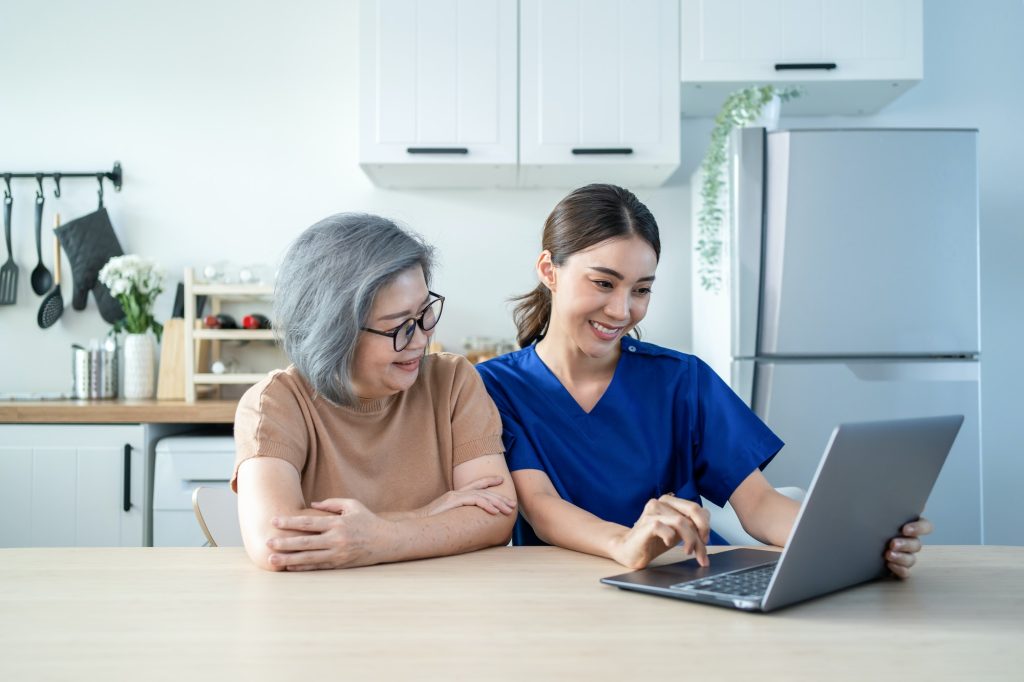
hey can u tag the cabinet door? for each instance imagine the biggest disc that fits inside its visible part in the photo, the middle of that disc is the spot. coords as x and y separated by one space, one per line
599 87
438 82
762 40
66 486
849 56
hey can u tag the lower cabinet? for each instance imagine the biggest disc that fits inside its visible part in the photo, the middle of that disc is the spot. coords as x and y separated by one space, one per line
72 485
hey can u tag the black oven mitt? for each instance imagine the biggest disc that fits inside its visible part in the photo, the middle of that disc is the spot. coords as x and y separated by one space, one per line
90 242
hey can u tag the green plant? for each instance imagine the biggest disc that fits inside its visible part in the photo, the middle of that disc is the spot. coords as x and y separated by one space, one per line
135 282
739 109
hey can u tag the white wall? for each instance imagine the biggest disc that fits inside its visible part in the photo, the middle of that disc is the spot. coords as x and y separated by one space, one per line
236 123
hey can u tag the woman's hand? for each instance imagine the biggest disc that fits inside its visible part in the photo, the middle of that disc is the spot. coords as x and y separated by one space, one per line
352 536
475 493
900 555
665 522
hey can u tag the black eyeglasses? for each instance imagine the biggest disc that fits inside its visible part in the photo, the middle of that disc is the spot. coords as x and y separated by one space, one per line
426 320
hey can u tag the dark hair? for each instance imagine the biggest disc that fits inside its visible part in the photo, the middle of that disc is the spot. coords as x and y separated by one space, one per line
586 217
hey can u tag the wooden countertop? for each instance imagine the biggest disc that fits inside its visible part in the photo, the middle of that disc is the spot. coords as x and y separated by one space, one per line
118 412
515 613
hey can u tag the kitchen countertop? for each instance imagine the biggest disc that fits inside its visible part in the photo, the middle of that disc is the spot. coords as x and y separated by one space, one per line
118 412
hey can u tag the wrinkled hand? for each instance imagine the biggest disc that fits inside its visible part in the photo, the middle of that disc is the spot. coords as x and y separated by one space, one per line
353 536
900 555
476 494
665 523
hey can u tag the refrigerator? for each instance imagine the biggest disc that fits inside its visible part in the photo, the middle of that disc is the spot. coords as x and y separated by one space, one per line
850 292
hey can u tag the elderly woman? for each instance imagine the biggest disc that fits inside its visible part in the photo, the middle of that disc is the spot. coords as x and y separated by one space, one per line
365 450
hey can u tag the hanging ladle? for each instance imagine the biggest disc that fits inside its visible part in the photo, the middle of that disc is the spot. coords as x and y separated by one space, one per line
41 278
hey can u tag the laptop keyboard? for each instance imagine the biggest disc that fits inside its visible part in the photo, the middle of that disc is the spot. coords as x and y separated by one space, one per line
749 582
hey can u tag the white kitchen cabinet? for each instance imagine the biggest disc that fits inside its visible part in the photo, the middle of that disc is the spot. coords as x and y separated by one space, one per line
72 485
438 92
598 92
551 93
849 56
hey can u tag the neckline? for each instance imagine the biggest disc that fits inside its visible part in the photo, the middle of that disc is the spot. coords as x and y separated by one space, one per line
568 396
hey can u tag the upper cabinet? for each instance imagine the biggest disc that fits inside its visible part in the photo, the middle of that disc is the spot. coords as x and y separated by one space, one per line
438 92
500 93
599 93
849 56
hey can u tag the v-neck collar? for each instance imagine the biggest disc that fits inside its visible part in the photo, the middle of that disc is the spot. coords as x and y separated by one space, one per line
554 384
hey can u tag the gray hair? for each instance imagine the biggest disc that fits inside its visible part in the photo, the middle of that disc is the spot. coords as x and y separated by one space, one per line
326 287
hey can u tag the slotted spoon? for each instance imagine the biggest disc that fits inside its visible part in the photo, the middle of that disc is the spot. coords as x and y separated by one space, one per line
9 271
52 306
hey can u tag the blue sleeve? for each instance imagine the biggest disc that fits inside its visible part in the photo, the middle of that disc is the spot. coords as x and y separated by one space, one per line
519 452
729 440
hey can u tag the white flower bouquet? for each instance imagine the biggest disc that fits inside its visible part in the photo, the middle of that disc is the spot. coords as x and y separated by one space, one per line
135 282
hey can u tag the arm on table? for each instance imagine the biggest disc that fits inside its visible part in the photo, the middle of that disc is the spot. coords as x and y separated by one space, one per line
664 523
268 487
352 535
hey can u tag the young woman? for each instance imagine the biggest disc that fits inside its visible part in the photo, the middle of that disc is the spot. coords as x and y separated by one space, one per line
365 450
612 441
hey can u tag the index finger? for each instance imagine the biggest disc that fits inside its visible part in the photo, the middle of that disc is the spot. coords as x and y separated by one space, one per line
691 510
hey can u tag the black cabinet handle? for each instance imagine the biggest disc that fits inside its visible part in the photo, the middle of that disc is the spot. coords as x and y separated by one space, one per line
127 477
602 150
436 150
810 66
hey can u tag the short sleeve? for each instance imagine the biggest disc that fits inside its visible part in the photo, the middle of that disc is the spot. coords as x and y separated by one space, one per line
476 425
730 441
519 452
269 422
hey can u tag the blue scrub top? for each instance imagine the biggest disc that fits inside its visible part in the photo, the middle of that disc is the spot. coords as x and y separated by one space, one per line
666 423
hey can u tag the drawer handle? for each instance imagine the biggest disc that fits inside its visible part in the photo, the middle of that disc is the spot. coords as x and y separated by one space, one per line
127 477
602 150
811 66
437 150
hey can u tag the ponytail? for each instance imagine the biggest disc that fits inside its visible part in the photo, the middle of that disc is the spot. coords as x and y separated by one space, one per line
531 315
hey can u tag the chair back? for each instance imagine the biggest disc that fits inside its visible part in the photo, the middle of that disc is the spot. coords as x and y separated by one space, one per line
217 513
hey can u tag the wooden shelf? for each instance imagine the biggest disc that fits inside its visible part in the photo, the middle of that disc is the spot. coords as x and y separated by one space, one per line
234 291
233 334
203 378
200 342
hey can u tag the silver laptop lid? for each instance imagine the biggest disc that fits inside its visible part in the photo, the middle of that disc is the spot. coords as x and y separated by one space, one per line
874 477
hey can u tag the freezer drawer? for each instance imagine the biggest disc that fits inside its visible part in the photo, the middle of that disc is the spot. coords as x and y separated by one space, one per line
802 401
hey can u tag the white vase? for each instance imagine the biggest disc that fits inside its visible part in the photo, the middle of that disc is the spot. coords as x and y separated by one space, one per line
769 116
139 366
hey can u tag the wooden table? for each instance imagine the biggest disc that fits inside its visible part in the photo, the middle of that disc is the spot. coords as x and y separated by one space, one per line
504 613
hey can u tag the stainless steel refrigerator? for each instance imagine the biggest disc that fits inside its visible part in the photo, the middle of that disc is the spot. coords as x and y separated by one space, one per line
849 292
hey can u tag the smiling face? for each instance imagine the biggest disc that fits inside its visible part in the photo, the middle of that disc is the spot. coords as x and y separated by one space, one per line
377 370
599 294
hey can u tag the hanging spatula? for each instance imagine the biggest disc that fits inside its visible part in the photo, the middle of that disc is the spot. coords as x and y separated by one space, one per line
53 305
9 271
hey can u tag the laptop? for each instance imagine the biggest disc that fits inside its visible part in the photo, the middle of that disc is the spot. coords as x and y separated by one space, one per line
873 478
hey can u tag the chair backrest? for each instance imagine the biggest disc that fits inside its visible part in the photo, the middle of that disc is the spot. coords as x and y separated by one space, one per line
217 512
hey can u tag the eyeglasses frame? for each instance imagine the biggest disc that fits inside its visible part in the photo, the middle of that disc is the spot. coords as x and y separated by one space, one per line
418 319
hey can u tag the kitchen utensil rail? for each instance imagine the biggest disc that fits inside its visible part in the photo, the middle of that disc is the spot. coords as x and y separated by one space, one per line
115 176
